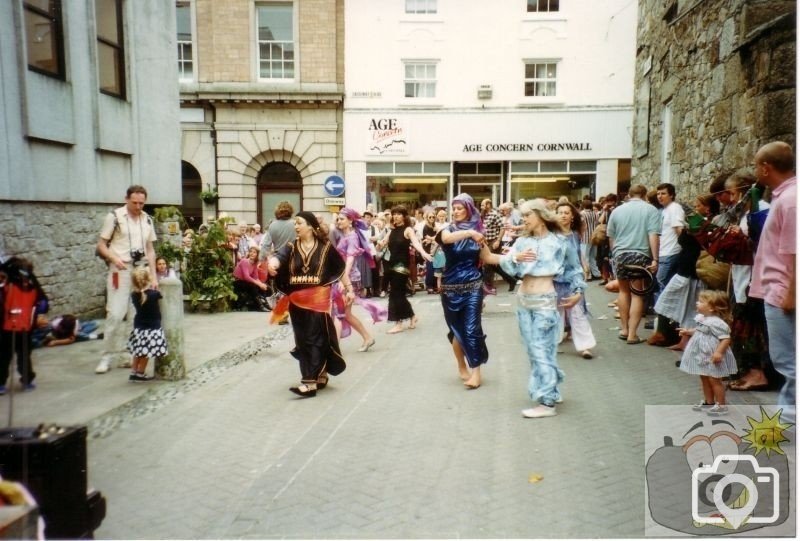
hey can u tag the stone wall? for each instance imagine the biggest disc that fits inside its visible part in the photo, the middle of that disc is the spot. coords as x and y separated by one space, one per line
726 69
59 238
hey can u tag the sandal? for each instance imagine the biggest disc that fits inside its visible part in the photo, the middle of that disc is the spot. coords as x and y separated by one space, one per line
304 390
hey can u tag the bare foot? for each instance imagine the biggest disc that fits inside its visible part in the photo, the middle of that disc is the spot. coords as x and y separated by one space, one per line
413 323
474 380
464 374
396 329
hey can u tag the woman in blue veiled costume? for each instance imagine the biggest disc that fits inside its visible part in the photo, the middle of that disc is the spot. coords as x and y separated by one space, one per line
462 291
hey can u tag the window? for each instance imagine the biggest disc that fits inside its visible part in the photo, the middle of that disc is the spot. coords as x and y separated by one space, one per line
185 51
44 40
540 79
542 6
420 80
420 6
276 47
110 50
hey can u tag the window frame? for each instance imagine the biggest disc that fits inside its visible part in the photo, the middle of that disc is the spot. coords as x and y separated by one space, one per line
192 43
118 48
421 7
539 80
55 15
294 42
420 82
549 8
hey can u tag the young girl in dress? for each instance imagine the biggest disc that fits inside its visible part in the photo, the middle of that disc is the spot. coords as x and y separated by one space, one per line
708 353
147 338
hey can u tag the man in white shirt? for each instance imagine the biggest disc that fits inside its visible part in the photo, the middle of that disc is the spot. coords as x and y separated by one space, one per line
673 220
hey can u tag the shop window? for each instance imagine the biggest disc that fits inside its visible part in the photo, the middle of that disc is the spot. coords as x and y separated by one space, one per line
540 78
276 40
542 6
420 6
44 40
420 79
110 47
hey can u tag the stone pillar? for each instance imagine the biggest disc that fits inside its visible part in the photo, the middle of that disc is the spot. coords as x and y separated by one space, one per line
172 366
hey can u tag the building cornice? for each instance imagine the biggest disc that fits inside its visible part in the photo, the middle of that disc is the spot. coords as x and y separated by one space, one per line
317 93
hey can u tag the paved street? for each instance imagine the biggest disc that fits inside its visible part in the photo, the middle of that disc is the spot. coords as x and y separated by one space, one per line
396 447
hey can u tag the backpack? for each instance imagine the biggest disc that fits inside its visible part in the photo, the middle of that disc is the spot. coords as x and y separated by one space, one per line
116 228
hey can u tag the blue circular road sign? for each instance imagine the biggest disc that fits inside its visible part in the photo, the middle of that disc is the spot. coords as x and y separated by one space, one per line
334 186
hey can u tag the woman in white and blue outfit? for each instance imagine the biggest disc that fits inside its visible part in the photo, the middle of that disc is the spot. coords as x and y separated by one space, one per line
538 256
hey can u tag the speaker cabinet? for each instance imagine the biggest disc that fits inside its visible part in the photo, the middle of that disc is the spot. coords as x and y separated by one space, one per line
51 463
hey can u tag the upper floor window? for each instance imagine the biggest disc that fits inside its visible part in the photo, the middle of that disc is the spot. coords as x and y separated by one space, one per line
542 6
110 47
276 47
540 78
420 80
185 45
44 40
420 6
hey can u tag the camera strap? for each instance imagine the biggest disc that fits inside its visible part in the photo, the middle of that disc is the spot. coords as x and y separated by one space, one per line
141 233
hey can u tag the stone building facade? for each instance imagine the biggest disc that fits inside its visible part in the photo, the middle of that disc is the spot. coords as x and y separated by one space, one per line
715 79
79 128
261 105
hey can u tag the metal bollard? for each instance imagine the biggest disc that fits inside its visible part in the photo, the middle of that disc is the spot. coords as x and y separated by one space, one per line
172 366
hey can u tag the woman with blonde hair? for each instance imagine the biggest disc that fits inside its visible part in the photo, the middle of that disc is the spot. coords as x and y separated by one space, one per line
539 255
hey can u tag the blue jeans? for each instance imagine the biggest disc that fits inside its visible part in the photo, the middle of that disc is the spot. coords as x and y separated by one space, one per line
589 252
539 330
667 266
781 339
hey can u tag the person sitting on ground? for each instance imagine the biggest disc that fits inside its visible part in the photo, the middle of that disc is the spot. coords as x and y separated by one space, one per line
63 330
251 292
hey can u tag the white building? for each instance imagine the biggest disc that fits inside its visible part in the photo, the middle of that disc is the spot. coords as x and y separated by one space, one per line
503 100
89 106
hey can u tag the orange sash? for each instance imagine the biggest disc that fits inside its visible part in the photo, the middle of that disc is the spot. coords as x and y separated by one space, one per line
316 299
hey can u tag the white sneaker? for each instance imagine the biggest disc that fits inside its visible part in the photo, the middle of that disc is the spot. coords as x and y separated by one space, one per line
702 406
103 366
717 411
539 411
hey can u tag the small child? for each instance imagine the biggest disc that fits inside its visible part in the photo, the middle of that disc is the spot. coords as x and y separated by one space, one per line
708 353
21 299
147 338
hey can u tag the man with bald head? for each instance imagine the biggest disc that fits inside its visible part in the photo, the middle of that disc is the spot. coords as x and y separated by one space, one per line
774 269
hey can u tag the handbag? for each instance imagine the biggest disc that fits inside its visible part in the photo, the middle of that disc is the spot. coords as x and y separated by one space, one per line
713 273
599 235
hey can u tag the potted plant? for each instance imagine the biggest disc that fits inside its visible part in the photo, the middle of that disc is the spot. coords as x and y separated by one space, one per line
209 195
208 275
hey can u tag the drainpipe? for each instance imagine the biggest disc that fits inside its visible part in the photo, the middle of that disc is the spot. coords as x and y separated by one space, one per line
216 153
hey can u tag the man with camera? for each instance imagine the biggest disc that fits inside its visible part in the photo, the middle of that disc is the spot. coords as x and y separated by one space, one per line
126 240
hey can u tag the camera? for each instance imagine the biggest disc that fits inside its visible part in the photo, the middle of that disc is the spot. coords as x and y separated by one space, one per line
137 255
735 488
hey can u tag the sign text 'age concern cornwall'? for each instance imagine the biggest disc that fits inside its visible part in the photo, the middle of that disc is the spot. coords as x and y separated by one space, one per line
527 147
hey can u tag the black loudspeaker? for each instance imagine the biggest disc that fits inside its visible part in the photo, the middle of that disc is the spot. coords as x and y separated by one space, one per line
51 463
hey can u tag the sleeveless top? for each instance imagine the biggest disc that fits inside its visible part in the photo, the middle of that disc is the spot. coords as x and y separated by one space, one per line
398 246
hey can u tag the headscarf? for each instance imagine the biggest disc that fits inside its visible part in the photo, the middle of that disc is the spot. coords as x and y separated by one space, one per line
309 218
473 220
359 226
